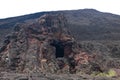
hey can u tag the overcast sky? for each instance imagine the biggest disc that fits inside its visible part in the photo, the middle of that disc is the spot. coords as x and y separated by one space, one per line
10 8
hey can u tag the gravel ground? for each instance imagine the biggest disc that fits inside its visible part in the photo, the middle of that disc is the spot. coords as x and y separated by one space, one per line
41 76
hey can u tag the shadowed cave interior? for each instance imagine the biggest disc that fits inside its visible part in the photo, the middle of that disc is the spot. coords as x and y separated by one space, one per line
59 48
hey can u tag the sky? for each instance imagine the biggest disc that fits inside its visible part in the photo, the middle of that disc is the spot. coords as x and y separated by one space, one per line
11 8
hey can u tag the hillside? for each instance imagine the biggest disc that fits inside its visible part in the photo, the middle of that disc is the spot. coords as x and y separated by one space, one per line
84 24
82 42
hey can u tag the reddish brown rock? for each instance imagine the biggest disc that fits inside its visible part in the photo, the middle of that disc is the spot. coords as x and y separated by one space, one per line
36 46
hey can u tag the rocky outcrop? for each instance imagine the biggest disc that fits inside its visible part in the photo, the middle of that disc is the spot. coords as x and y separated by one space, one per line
44 45
37 46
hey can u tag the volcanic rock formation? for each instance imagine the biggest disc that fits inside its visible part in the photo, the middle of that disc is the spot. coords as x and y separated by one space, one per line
44 45
36 45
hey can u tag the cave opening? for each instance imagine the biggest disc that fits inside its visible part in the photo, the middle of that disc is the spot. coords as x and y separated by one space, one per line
59 53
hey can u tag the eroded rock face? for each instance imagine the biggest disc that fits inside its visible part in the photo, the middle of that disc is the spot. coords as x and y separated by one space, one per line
38 46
